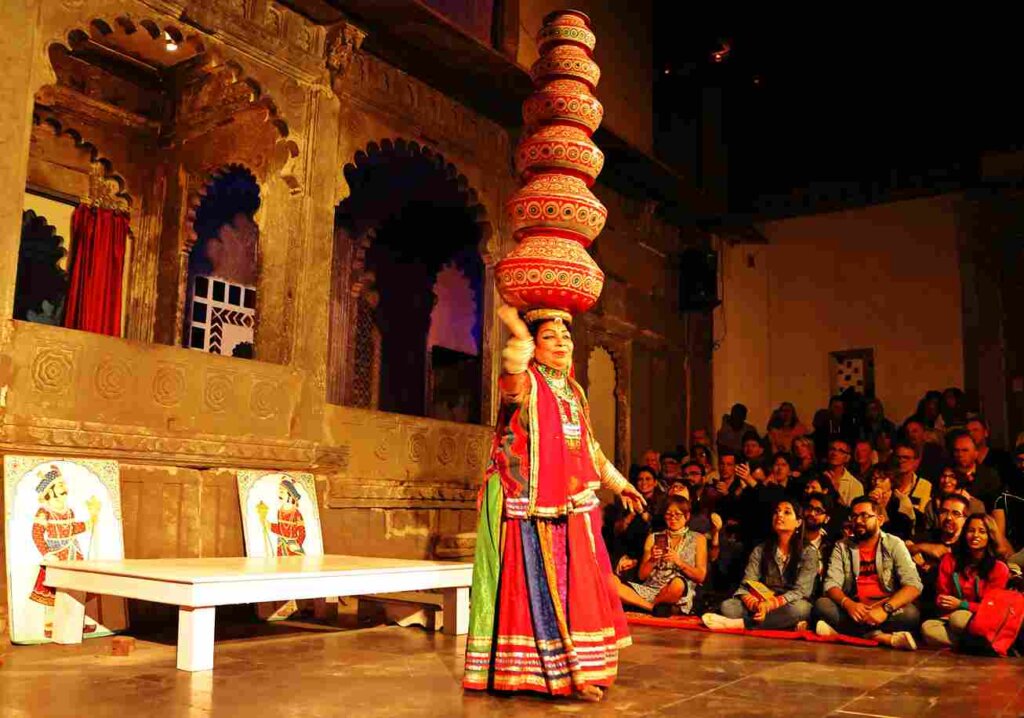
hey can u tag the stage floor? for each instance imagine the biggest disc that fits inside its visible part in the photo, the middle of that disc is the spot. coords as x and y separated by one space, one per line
307 670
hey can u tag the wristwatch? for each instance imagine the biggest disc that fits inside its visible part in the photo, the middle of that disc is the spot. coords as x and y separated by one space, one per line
888 608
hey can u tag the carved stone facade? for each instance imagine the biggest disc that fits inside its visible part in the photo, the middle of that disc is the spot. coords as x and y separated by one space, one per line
293 102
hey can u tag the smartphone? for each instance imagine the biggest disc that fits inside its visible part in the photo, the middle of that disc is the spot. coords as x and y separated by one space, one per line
661 541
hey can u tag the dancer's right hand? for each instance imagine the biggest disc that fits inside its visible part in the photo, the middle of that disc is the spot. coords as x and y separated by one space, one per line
511 319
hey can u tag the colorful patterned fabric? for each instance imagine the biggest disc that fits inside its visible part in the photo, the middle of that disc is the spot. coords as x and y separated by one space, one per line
54 534
290 529
544 616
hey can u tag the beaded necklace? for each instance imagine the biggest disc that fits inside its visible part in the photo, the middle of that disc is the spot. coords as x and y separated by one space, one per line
568 405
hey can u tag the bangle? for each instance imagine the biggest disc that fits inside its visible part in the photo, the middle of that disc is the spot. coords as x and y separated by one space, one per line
964 606
842 604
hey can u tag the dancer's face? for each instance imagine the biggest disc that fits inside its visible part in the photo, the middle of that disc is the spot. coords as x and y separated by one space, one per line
554 345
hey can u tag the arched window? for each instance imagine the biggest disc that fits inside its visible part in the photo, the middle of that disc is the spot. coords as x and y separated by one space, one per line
220 307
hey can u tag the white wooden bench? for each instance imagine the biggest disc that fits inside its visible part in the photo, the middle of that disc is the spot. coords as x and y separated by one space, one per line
198 585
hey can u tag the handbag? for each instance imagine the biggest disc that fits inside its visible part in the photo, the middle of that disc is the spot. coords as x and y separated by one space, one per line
998 619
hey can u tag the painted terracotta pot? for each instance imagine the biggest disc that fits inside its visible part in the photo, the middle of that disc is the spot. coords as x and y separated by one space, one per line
550 272
563 102
559 147
556 204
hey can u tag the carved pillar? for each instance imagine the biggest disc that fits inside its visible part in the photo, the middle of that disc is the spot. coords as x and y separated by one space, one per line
143 270
339 316
310 263
172 258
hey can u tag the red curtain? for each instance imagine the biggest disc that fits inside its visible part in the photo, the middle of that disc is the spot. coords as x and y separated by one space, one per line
97 262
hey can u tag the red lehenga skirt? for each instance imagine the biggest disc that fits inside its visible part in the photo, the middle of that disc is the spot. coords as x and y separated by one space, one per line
545 616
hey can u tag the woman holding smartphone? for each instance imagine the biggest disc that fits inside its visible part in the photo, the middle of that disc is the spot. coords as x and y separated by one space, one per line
675 562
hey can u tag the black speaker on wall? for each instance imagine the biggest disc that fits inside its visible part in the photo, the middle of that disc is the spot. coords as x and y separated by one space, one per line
698 280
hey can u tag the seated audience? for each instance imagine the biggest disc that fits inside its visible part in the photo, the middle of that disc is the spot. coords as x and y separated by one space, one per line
931 456
875 423
838 514
629 530
783 428
997 459
950 481
671 463
871 584
846 483
652 460
674 563
817 513
734 426
783 565
863 459
702 497
899 512
1009 512
835 423
966 574
883 446
906 480
756 519
931 546
753 449
982 481
702 455
805 463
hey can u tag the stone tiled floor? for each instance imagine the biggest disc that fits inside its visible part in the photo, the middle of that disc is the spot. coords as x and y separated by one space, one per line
309 671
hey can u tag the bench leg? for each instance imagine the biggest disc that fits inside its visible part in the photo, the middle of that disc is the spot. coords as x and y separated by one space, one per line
195 638
68 616
456 611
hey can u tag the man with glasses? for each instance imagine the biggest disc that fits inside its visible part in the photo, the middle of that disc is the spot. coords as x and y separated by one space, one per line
934 544
817 513
845 483
871 584
907 481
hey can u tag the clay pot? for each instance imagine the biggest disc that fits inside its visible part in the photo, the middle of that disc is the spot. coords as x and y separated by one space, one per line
566 26
563 101
559 147
566 61
551 272
556 204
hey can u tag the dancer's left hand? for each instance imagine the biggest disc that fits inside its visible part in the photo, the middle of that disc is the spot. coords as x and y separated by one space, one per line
632 499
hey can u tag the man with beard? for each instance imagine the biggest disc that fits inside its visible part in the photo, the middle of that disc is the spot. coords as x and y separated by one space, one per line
871 584
816 514
932 545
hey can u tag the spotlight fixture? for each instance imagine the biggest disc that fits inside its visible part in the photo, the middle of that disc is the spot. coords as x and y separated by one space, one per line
171 46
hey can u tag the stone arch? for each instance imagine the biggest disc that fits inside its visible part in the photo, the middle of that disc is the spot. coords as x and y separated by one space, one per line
241 275
363 158
106 187
199 187
148 35
356 239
